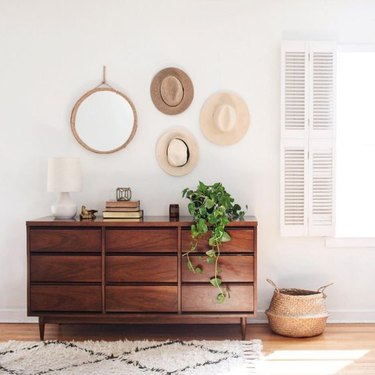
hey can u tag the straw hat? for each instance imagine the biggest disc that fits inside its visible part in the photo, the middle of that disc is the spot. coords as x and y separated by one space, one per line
224 118
172 91
177 152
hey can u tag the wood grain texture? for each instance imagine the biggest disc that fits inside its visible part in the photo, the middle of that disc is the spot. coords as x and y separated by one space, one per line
162 269
65 268
148 222
242 241
145 240
65 240
236 268
139 271
141 298
200 298
82 298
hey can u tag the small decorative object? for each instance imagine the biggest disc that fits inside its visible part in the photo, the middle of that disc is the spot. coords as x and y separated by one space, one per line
212 209
174 212
172 91
64 176
177 152
297 312
87 214
224 118
123 194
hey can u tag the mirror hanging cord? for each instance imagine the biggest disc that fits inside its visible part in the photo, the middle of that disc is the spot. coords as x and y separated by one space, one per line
104 81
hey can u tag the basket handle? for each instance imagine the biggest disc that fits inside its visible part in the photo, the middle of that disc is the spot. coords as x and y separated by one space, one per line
323 288
273 284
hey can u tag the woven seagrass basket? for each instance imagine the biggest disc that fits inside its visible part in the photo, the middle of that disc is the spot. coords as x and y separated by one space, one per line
297 312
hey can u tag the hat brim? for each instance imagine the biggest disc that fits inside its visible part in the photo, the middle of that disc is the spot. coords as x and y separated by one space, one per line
207 123
162 147
187 86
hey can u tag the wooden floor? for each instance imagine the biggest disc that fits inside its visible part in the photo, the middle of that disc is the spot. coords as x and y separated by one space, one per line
342 349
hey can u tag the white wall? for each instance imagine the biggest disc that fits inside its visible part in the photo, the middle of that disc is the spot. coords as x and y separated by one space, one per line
51 52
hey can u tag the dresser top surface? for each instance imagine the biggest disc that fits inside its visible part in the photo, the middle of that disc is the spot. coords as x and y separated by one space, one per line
148 221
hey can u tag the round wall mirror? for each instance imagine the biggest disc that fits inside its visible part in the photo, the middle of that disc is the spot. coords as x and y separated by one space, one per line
104 120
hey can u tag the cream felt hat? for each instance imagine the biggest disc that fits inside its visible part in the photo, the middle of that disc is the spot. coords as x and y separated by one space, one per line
177 152
224 118
171 91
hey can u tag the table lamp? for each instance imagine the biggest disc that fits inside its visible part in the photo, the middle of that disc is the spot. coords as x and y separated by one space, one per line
64 176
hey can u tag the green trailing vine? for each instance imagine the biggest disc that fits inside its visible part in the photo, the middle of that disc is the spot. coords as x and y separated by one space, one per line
212 209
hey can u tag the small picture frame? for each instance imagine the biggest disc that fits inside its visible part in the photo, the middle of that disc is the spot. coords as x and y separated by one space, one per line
174 212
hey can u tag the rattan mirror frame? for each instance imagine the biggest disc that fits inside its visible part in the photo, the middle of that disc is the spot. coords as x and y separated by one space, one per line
73 117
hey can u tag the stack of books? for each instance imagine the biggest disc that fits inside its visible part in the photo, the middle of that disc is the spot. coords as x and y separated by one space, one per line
123 211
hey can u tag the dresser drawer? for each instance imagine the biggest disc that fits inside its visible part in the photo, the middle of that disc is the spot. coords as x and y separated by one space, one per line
235 268
141 240
65 268
202 298
141 298
57 298
242 241
65 240
128 268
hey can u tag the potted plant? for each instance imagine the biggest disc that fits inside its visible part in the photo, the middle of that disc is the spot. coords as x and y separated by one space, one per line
212 208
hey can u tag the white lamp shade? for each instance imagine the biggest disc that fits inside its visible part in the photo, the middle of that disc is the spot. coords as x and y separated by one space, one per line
64 175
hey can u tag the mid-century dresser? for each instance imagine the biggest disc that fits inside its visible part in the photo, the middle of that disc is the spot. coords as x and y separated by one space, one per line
135 272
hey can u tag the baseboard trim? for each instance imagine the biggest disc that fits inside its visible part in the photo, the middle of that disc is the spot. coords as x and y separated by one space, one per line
16 316
336 316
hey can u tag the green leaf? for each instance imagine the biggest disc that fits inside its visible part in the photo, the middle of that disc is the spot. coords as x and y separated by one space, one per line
220 298
191 208
226 237
202 226
212 241
211 253
210 260
198 269
215 281
236 207
210 203
202 210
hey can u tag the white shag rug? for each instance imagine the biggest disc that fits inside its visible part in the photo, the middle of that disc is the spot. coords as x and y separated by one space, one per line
130 357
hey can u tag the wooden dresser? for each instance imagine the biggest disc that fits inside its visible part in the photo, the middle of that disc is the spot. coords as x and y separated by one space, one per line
134 272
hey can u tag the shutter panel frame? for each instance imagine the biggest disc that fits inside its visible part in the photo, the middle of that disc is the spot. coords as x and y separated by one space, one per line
308 128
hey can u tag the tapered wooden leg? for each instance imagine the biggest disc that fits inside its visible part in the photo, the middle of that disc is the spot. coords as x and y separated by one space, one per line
243 327
41 328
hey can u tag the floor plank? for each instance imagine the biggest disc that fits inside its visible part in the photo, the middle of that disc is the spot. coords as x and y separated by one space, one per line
343 349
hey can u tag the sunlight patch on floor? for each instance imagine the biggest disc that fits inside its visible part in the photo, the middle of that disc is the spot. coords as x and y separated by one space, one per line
308 362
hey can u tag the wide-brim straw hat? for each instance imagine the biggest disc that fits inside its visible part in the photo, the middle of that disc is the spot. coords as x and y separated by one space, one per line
171 91
224 118
177 152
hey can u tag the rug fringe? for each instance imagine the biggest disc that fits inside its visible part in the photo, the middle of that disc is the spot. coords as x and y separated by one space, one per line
252 351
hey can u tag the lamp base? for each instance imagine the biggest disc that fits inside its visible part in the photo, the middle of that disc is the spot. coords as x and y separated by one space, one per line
64 207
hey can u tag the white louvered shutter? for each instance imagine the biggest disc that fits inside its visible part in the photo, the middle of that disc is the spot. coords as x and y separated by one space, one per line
293 187
294 89
322 138
321 187
293 150
322 90
307 138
